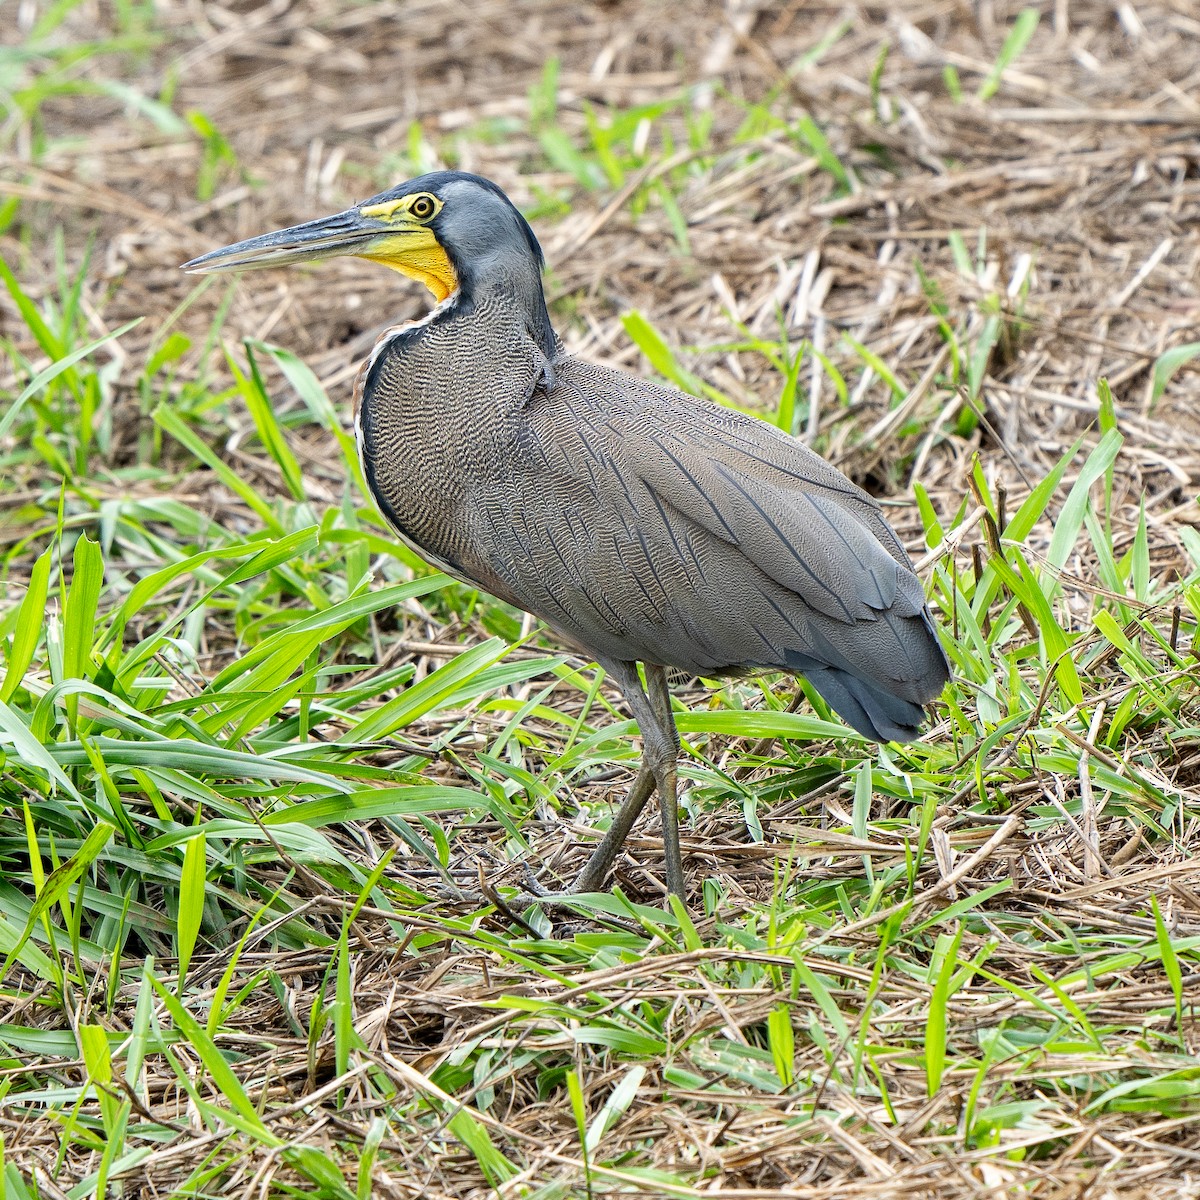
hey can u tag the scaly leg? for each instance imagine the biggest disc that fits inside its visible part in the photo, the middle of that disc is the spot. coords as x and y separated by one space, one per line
668 779
660 744
593 875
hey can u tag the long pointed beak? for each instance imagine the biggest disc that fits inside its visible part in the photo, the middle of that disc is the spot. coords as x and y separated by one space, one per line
346 232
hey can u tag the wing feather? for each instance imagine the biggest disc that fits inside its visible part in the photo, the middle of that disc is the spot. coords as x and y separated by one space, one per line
650 525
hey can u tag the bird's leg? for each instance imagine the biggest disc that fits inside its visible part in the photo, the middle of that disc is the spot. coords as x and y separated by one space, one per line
668 778
593 875
660 747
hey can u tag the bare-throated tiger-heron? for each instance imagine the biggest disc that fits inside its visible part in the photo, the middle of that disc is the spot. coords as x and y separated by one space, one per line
641 524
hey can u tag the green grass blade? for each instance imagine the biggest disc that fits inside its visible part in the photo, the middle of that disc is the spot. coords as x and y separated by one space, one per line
579 1112
97 1058
617 1104
423 697
57 883
254 393
79 615
225 1081
1167 363
173 424
1070 519
1018 38
254 670
31 751
47 376
1026 588
31 618
1170 960
192 880
937 1024
782 1040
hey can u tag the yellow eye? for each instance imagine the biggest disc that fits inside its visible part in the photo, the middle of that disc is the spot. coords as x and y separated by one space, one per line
423 207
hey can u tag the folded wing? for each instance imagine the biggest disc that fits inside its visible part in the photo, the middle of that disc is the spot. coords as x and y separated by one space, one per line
668 530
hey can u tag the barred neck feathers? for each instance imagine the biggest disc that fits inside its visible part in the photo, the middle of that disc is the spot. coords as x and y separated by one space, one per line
452 305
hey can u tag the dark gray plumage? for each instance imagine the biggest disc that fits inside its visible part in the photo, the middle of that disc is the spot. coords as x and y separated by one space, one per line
641 524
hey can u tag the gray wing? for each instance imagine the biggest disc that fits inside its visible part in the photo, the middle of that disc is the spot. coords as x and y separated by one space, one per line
658 527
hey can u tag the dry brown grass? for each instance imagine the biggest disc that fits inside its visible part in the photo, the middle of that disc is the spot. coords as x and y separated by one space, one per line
1079 181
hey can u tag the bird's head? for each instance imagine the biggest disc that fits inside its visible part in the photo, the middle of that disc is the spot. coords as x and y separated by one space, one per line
448 229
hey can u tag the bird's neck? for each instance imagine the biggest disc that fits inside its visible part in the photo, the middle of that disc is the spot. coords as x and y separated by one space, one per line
519 290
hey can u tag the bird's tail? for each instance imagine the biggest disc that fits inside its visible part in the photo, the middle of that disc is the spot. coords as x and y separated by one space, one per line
875 712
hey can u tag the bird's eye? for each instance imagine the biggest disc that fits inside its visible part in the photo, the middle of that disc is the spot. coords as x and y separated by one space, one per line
422 207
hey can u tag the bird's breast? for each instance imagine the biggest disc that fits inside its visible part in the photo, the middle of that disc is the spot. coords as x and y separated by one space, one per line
437 414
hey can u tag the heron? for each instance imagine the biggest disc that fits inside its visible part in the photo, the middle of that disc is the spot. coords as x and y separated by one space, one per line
641 524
